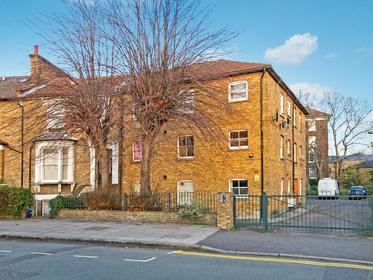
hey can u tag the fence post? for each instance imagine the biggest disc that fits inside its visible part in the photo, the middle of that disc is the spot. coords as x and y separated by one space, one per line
125 202
169 202
234 210
264 211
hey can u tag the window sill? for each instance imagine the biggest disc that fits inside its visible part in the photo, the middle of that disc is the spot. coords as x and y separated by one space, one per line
55 183
238 149
185 158
238 100
136 161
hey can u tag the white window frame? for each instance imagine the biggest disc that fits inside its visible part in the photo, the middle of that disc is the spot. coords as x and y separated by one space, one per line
281 104
282 143
295 152
289 147
230 99
311 123
289 109
231 187
188 99
311 156
113 146
313 174
57 111
40 146
300 121
295 117
239 147
178 147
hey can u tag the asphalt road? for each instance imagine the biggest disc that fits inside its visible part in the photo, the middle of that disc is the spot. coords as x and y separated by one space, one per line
47 260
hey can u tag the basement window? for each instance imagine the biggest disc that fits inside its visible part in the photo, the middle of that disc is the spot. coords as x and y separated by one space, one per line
239 187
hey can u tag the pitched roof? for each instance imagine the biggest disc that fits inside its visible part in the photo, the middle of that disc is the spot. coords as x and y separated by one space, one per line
316 113
9 86
224 68
365 164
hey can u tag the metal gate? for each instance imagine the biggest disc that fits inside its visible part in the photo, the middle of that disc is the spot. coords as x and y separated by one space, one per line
303 213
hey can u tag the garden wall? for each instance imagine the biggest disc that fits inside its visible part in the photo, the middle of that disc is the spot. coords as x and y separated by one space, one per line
136 216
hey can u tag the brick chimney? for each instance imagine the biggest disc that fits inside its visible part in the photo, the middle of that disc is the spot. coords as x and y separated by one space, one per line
35 65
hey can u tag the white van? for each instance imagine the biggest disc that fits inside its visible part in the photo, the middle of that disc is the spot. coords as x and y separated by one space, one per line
328 187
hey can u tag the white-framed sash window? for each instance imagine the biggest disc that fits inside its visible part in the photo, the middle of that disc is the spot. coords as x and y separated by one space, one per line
54 162
238 91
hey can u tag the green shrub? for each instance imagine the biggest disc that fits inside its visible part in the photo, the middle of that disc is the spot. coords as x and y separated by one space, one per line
192 210
55 205
72 202
60 202
15 201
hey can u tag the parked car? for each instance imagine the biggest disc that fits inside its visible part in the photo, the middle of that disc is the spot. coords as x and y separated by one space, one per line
328 188
357 192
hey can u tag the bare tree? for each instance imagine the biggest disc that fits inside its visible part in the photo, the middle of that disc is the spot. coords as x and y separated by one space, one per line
162 44
348 124
86 94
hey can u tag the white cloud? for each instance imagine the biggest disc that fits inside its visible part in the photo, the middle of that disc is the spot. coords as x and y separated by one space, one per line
294 50
364 50
310 93
330 55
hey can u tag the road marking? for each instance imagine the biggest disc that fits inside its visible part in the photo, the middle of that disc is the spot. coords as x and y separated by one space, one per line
172 252
41 253
83 256
277 260
142 261
5 251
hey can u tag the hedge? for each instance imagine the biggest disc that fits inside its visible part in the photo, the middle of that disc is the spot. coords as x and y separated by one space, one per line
59 202
15 201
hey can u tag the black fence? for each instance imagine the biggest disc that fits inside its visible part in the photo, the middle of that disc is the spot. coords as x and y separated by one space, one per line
169 202
304 213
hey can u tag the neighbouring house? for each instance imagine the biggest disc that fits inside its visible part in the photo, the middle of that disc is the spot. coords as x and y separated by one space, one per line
357 160
264 148
317 140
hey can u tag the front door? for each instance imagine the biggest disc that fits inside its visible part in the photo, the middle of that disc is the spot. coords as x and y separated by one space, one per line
184 192
296 190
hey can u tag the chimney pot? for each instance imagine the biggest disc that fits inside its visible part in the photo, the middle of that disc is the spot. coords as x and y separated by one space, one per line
36 50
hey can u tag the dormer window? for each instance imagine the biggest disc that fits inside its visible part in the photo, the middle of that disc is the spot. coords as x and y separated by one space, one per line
237 91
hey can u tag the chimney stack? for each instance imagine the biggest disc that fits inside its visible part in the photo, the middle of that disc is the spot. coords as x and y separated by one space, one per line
36 50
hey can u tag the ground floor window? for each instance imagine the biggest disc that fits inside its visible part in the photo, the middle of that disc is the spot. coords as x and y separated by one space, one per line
239 187
185 192
54 163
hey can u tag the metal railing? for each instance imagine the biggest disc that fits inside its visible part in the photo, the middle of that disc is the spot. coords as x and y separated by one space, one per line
304 213
156 201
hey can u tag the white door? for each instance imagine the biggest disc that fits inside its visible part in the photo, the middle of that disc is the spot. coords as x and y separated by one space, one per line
184 192
45 208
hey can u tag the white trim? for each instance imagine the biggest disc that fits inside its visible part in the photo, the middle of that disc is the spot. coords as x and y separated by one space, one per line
113 146
45 196
239 99
92 164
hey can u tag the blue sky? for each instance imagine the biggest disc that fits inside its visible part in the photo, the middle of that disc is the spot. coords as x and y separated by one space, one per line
337 38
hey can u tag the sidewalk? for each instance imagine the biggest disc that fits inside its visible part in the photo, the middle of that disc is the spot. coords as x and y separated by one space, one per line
107 232
287 243
193 237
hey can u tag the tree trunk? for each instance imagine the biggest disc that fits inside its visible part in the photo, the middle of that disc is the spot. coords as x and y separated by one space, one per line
104 168
147 153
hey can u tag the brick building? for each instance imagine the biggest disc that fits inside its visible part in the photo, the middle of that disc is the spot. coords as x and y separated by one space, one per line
264 148
318 148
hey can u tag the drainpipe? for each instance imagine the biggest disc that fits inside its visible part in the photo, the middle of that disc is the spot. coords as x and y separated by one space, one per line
293 157
29 164
261 134
20 104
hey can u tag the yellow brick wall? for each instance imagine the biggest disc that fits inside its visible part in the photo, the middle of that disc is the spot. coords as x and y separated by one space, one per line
214 163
